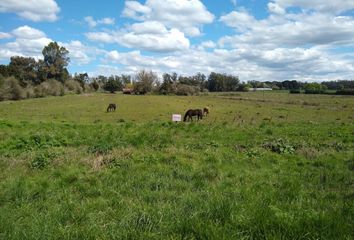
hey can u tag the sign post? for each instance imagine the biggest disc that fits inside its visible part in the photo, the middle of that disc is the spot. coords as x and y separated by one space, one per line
176 117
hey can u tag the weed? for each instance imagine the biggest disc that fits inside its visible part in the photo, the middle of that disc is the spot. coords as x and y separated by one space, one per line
280 146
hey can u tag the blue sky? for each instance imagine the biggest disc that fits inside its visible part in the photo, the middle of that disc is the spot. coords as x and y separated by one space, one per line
308 40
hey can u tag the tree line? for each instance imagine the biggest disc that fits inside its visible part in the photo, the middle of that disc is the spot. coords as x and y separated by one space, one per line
25 77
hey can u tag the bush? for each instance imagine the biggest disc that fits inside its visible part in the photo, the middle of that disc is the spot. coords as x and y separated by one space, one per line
50 87
88 88
95 85
30 92
280 146
243 87
10 89
73 86
295 91
111 86
315 88
345 92
186 90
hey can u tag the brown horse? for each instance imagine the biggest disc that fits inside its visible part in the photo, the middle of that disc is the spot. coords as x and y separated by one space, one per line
193 112
205 111
111 107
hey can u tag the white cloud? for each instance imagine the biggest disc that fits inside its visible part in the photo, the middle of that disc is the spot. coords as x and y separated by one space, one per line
104 37
186 15
289 29
151 36
90 21
81 54
240 20
163 25
34 10
29 42
275 8
107 21
135 10
93 23
248 63
208 44
26 32
172 40
148 27
329 6
4 35
24 47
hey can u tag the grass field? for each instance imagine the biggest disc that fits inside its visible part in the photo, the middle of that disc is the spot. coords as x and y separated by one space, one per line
260 166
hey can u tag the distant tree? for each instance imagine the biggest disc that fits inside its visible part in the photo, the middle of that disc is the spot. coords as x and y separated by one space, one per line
111 85
95 85
82 78
4 70
315 88
243 87
24 69
126 79
168 85
218 82
144 82
55 61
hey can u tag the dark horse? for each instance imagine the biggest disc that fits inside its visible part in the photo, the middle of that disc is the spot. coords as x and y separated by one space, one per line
193 112
111 107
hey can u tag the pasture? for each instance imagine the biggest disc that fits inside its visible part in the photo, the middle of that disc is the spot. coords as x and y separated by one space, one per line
261 166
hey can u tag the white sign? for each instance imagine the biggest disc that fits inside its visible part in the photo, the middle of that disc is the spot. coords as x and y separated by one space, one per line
176 117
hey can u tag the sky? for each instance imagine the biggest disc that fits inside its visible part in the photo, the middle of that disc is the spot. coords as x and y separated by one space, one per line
306 40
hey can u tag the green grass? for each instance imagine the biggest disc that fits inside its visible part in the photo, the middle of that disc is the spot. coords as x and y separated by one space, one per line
260 166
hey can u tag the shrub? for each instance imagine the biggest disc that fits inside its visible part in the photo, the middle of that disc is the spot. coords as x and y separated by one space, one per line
95 85
88 88
243 87
295 91
10 89
50 87
280 146
42 160
30 92
73 86
345 92
111 86
315 88
186 90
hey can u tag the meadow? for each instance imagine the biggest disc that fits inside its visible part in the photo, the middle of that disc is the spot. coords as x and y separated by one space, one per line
266 165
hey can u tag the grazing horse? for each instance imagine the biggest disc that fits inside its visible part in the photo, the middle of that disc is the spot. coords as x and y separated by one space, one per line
193 112
205 111
111 107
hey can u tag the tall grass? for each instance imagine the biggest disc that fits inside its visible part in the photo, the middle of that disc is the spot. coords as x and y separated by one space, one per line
154 179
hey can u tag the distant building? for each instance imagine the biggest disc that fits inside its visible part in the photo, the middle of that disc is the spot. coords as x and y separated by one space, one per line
260 89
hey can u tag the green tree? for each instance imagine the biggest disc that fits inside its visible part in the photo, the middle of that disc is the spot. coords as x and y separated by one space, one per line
24 69
167 85
82 78
144 81
55 61
4 70
315 88
112 85
218 82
